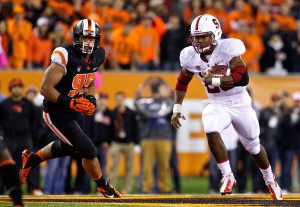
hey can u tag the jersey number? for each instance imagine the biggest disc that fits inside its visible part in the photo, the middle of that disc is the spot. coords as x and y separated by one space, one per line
80 82
216 89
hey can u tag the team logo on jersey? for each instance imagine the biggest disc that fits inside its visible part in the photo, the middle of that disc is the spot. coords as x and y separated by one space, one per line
79 68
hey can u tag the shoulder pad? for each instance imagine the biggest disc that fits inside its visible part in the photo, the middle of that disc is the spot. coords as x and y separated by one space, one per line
186 57
60 56
232 47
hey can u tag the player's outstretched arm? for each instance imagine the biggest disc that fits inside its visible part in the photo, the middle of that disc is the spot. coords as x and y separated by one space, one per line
183 80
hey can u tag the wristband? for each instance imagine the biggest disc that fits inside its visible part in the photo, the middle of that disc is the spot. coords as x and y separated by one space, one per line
64 100
216 81
177 108
92 99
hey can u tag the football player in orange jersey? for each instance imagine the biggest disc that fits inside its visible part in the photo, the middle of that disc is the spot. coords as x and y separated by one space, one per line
68 88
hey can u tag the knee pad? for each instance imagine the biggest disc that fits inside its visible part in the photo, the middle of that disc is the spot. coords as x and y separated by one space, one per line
61 149
251 145
89 152
86 150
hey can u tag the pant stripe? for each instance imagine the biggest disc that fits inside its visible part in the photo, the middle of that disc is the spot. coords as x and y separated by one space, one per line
54 129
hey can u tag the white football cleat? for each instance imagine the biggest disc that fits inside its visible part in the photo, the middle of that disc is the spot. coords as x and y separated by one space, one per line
274 189
228 181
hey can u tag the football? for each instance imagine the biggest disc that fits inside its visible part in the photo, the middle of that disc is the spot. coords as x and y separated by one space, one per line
219 70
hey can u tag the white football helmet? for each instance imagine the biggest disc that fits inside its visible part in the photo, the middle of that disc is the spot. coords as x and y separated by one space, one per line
205 25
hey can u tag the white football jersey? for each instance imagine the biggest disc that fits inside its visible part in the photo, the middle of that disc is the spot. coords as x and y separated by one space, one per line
222 54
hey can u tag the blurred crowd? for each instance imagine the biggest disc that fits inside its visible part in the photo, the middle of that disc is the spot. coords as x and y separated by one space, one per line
149 34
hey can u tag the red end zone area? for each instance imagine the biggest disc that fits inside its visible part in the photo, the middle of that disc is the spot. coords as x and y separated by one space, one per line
157 200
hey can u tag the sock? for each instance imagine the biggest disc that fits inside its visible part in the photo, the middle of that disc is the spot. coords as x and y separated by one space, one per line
12 183
100 181
34 160
224 167
267 173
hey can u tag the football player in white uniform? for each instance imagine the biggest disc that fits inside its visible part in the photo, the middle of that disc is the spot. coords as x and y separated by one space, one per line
229 102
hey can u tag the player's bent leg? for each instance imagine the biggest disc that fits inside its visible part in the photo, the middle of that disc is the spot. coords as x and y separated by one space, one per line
31 160
274 189
215 120
58 148
260 157
71 132
92 167
220 153
217 146
25 170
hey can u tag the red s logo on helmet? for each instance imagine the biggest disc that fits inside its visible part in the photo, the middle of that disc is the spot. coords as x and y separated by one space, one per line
215 21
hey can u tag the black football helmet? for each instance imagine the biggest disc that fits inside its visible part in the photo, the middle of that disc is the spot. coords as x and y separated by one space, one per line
86 28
